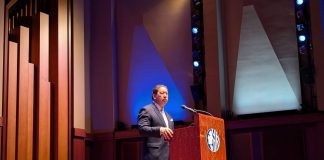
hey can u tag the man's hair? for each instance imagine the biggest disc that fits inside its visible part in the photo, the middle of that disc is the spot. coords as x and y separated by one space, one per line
156 89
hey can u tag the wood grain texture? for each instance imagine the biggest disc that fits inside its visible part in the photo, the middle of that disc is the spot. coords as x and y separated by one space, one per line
30 113
44 122
12 101
59 76
208 122
195 137
23 92
40 56
79 148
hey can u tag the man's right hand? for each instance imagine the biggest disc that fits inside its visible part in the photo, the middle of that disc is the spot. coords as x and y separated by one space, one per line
167 133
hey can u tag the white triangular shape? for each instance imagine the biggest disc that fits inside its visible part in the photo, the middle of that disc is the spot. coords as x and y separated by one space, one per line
260 83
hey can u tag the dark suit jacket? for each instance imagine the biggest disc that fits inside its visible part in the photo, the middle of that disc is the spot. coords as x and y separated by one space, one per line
149 122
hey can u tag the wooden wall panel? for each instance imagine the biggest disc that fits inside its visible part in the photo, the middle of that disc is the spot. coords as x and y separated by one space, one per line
44 122
30 113
2 11
63 80
213 76
79 149
292 148
5 81
59 75
23 92
244 139
12 102
103 146
1 134
37 107
40 56
40 45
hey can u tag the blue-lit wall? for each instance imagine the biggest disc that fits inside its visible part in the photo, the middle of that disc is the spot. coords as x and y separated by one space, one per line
146 70
154 47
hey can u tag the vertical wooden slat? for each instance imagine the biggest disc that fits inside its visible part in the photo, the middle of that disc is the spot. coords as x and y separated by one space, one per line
63 111
2 24
1 138
6 78
30 113
44 47
44 135
23 92
12 101
40 56
59 75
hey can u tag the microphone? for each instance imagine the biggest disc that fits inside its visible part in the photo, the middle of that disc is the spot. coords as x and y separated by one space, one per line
189 109
203 112
196 110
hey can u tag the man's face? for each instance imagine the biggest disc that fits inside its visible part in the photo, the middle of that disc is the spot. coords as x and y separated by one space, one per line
161 97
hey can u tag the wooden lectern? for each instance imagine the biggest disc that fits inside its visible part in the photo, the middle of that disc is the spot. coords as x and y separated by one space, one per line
203 141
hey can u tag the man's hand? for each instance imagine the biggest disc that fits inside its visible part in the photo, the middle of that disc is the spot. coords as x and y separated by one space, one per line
167 133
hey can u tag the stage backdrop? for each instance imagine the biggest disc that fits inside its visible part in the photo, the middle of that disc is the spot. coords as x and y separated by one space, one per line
153 46
262 56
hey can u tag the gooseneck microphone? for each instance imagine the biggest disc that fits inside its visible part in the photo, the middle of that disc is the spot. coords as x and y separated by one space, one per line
196 110
204 112
189 109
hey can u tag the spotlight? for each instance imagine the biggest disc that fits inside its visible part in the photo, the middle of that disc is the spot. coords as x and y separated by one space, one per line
195 64
302 38
194 30
300 27
299 2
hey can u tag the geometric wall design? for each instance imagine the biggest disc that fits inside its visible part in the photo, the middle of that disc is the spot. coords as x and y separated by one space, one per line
148 67
154 46
29 117
36 81
262 84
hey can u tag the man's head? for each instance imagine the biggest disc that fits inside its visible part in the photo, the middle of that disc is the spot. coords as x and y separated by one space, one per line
160 95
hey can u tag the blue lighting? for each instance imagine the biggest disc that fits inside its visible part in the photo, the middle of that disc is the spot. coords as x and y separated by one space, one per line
299 2
302 38
196 64
195 30
142 77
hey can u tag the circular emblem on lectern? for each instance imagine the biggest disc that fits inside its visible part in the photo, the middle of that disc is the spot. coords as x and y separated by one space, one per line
212 140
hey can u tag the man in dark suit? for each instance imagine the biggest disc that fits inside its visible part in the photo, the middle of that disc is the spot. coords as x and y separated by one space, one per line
156 126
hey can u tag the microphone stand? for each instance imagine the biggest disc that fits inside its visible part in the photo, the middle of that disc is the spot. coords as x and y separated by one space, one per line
196 110
203 112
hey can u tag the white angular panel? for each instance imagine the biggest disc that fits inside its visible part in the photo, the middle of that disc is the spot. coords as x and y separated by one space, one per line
260 84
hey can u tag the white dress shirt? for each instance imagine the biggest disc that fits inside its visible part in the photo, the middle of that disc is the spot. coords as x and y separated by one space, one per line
162 113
